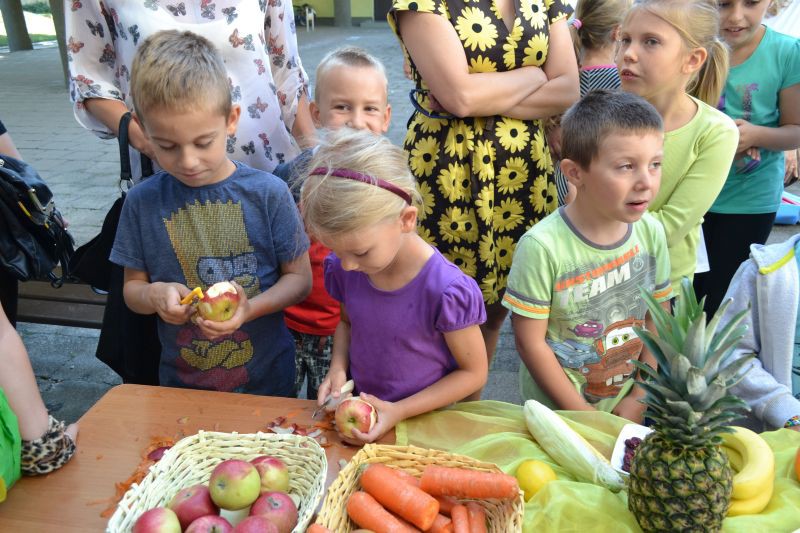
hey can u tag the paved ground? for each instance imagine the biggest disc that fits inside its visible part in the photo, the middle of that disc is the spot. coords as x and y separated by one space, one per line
83 172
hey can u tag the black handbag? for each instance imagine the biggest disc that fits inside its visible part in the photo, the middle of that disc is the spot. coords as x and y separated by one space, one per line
33 238
128 342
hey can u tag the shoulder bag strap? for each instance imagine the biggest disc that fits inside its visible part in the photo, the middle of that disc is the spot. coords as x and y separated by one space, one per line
125 172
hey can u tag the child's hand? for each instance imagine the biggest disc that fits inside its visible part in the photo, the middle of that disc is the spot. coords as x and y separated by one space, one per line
332 384
630 407
388 417
747 133
165 298
214 330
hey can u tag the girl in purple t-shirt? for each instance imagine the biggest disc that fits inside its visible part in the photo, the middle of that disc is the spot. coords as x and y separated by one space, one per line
409 335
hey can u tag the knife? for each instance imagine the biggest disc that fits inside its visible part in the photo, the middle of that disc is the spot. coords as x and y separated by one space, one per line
347 387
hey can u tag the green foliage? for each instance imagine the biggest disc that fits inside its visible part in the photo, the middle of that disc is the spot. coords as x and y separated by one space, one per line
40 8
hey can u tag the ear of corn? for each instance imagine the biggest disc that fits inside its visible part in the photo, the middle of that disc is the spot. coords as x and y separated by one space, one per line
568 448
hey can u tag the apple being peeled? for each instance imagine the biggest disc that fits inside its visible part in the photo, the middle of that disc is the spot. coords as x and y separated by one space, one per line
191 503
219 302
255 524
210 524
279 508
234 484
355 413
157 520
274 473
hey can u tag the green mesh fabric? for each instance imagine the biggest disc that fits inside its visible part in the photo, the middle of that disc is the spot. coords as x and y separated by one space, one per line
10 444
496 432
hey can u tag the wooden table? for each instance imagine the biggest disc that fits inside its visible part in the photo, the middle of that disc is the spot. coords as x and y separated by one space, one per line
113 435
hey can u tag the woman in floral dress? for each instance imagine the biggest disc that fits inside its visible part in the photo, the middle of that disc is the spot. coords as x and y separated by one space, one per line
487 72
256 38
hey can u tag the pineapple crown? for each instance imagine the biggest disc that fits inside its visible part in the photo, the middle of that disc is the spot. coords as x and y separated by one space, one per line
687 396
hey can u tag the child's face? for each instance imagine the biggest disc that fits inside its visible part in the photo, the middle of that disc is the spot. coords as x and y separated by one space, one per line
623 178
651 57
353 97
191 145
740 20
374 249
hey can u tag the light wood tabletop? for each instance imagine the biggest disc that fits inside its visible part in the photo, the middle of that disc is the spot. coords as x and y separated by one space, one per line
116 431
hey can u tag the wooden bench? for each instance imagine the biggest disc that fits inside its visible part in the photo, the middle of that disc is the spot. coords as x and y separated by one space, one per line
73 304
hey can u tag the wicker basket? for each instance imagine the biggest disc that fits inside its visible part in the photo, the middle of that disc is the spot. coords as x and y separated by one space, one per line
193 458
503 516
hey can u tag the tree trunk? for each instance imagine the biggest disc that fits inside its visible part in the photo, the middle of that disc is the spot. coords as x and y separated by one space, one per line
14 21
57 9
341 14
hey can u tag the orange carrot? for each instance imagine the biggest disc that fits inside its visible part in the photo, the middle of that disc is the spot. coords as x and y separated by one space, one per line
316 528
477 518
390 490
369 514
405 476
464 483
460 517
442 524
446 504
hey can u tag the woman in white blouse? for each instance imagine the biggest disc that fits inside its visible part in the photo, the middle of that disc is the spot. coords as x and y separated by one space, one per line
256 38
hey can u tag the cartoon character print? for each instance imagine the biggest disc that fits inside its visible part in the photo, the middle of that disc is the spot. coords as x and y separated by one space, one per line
618 345
211 243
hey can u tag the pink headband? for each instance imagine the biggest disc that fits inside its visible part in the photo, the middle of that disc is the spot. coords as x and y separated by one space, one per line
363 178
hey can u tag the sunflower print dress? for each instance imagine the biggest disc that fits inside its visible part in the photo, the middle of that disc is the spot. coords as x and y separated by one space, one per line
484 180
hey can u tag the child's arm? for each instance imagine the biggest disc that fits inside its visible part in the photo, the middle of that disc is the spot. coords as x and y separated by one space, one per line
542 364
630 407
147 298
785 137
340 360
469 351
292 287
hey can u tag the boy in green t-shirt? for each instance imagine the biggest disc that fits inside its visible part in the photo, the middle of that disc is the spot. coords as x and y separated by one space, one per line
574 285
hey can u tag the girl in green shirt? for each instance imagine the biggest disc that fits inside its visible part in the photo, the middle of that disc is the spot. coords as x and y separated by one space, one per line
669 53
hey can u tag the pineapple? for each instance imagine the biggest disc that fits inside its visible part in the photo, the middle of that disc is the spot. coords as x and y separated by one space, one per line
680 479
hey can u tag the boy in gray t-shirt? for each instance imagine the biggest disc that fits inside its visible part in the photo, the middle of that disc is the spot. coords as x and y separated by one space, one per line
207 219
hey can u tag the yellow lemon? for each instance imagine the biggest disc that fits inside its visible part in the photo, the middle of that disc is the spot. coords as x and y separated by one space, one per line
532 475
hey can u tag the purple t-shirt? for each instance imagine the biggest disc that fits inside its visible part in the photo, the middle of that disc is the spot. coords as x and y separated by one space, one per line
397 345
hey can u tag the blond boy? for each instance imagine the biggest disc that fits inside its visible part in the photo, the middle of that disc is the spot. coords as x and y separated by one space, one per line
206 219
351 91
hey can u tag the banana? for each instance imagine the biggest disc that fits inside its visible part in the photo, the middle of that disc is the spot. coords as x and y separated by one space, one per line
751 506
757 473
734 458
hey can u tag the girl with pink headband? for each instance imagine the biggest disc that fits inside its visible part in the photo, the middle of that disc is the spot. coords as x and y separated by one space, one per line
410 333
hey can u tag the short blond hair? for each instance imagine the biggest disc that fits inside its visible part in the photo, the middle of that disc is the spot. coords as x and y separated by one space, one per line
348 56
334 206
179 71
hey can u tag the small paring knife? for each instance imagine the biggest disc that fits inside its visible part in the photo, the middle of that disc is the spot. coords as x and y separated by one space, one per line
347 387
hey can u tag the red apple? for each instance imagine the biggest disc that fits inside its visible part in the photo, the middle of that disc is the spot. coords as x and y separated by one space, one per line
191 503
210 524
279 508
274 473
355 413
219 302
234 484
157 520
255 524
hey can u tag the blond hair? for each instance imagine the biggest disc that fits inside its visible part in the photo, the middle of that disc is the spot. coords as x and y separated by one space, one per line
348 56
598 19
697 22
334 206
179 71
